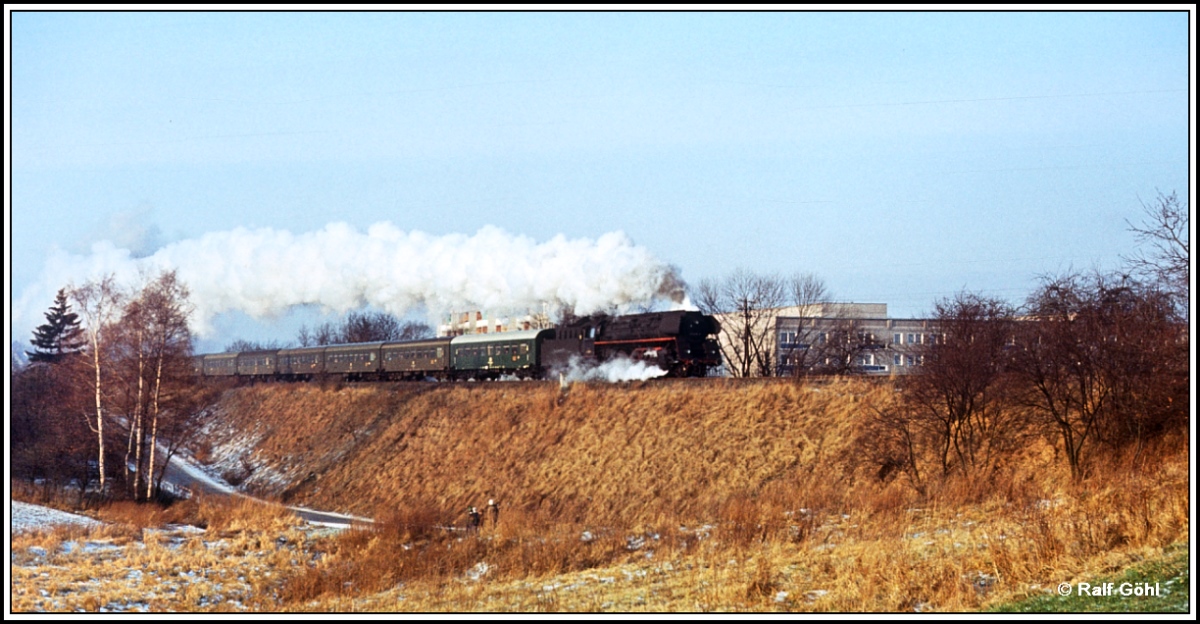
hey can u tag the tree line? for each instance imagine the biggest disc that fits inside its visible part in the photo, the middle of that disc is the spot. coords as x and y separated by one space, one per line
355 327
108 392
748 305
1091 359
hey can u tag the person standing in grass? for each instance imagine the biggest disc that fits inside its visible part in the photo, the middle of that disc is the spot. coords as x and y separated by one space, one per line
493 512
473 518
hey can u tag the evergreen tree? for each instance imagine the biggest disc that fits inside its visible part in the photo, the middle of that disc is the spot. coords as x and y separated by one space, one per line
60 336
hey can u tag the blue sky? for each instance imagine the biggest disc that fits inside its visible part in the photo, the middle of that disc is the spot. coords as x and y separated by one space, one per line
901 157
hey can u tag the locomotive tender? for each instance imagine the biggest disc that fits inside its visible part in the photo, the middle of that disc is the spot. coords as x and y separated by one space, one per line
679 342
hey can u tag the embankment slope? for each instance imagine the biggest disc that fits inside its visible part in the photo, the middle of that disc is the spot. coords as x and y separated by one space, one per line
637 452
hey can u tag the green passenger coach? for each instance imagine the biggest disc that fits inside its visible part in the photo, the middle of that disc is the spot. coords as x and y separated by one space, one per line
417 359
489 356
353 360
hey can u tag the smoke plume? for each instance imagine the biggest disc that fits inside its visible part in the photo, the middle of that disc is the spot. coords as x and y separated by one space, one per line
265 272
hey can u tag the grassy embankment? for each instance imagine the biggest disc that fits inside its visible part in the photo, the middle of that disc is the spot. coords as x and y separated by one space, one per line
669 497
757 494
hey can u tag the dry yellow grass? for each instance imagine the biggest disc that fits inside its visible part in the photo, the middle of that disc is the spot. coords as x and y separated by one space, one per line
655 497
606 453
129 568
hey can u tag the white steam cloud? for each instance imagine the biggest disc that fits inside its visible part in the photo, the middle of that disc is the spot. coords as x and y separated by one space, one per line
265 272
612 371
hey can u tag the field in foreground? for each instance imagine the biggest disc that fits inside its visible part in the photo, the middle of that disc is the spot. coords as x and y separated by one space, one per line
668 497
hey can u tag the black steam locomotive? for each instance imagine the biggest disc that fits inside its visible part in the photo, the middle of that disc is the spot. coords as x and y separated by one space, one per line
680 343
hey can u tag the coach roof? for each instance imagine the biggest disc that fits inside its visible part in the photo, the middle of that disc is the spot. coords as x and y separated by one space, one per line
512 336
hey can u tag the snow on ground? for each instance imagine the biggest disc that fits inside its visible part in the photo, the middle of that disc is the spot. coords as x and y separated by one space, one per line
331 519
185 465
27 517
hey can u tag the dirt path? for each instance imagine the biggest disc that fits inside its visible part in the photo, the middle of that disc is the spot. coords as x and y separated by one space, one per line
188 478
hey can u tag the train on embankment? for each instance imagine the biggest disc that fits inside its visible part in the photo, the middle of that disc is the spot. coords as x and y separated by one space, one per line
681 343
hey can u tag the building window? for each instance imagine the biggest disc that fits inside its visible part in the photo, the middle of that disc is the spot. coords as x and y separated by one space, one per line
896 339
908 360
896 358
912 339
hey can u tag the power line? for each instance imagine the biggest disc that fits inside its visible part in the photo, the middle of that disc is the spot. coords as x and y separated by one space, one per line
995 99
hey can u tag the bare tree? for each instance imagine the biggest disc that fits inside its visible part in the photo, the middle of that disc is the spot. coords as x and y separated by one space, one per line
169 350
380 326
128 338
326 334
240 345
960 395
1144 352
99 302
183 418
847 346
1054 360
48 439
892 439
1101 357
746 304
304 337
800 353
152 352
1167 261
369 327
363 327
836 343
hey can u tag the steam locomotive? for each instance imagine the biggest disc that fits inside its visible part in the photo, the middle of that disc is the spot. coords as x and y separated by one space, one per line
680 343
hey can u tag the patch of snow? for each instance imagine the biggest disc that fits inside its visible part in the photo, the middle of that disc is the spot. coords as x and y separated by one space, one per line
349 518
478 571
29 517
